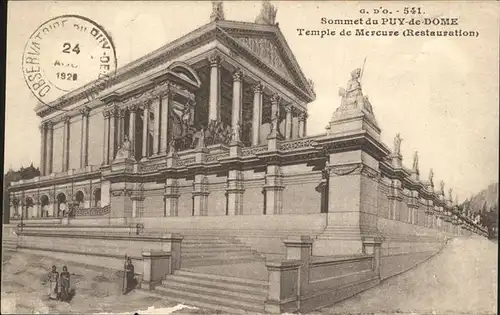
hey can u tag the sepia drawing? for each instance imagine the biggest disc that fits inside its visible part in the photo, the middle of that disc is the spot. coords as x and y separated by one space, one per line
195 179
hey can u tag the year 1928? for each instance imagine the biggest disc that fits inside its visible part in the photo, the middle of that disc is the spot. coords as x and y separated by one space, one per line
67 76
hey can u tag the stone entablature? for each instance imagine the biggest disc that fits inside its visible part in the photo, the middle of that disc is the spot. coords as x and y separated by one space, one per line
226 32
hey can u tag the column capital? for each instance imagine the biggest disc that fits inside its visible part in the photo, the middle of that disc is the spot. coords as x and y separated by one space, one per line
302 116
85 111
257 88
134 106
237 75
214 59
42 127
106 113
66 119
145 104
288 108
49 125
275 99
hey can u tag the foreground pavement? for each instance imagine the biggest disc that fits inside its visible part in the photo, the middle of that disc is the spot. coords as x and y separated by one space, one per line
461 279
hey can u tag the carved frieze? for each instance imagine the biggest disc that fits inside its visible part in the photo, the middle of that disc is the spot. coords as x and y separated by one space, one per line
266 50
341 170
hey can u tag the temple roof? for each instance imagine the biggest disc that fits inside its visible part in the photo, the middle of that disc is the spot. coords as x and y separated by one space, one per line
262 43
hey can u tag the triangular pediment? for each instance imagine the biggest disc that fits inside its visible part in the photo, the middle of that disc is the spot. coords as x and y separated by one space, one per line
267 51
268 44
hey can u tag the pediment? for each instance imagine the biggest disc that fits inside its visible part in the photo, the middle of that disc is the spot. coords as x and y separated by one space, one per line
268 44
267 51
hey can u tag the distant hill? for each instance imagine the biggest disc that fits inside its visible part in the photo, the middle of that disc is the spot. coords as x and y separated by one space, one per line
485 199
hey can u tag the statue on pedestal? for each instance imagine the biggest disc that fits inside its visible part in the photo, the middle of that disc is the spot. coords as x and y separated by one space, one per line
397 144
267 14
217 11
235 135
124 151
171 146
352 95
450 194
431 176
415 161
442 187
199 139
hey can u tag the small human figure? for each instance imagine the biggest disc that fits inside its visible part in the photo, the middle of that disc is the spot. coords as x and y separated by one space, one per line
53 279
129 276
64 285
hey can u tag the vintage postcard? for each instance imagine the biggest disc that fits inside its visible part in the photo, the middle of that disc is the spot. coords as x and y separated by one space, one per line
251 157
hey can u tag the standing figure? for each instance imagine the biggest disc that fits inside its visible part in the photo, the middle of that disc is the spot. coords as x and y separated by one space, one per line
64 285
129 276
397 144
53 283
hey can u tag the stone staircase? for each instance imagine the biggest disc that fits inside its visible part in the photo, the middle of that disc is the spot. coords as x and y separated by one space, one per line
205 250
215 292
210 276
9 244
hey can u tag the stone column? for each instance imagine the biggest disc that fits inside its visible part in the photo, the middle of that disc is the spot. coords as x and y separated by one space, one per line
165 109
50 146
156 131
43 148
65 160
302 124
257 113
237 97
145 131
171 197
120 115
131 128
214 103
105 151
84 138
112 134
288 122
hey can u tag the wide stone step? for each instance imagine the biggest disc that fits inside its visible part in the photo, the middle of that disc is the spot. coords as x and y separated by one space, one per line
201 303
218 261
220 255
210 249
219 291
211 245
188 297
244 287
221 278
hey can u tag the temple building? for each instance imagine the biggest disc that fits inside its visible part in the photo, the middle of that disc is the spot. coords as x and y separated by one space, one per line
207 137
222 78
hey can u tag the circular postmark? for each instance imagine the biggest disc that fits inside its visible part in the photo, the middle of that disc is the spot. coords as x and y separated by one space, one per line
65 53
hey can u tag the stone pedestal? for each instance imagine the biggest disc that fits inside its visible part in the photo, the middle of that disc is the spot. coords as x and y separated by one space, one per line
354 148
352 212
200 195
235 192
171 242
171 197
274 190
283 290
346 121
156 264
372 247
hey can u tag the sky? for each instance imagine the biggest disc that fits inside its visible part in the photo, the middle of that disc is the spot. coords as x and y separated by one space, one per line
439 93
